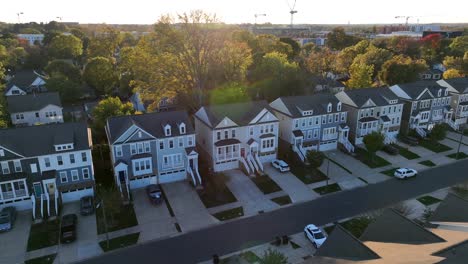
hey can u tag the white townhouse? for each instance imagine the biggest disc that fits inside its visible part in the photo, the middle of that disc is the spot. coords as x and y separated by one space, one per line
372 109
241 135
32 109
458 89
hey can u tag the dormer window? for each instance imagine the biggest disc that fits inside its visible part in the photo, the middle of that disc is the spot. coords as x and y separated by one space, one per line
308 113
329 108
338 106
446 92
63 147
439 93
182 128
393 101
167 130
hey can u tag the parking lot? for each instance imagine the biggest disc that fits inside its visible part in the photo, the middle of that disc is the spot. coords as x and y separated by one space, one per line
13 243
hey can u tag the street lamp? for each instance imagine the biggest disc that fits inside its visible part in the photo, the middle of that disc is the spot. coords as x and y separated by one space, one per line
462 129
328 165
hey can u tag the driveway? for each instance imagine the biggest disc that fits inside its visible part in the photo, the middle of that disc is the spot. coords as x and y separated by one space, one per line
189 210
13 243
296 189
154 220
86 244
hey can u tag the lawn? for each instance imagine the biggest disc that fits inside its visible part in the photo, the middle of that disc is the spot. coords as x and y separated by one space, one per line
308 175
461 155
427 163
250 257
49 259
120 242
230 214
355 226
282 200
428 200
372 161
328 189
434 147
216 192
389 172
123 218
266 184
406 152
43 235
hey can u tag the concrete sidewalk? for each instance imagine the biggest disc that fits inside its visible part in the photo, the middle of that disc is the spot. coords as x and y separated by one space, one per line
14 242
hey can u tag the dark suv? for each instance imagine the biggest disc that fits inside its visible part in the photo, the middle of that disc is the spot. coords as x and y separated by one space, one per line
7 218
68 228
154 194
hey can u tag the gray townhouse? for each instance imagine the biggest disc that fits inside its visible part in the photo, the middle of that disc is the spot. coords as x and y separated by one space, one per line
458 89
237 136
24 82
152 148
372 109
43 166
426 103
35 109
315 122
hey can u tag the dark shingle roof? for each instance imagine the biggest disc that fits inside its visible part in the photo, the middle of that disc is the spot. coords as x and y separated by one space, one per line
32 102
454 254
460 84
39 140
380 96
152 123
452 209
343 245
240 113
22 80
414 89
317 102
226 142
403 230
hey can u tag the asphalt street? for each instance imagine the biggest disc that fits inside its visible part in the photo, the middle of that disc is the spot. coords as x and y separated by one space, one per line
232 236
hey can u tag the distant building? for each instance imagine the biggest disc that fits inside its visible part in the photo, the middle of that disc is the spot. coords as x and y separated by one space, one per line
31 39
32 109
24 82
431 74
318 41
444 34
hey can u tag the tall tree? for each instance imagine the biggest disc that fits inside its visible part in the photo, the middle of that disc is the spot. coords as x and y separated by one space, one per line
69 90
109 107
3 110
346 56
60 67
452 73
360 76
104 43
373 56
315 158
438 133
459 46
401 69
321 61
234 58
228 94
99 73
65 47
374 142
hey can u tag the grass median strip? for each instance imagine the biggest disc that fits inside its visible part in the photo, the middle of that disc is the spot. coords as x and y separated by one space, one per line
428 200
49 259
282 200
266 184
120 242
461 155
308 175
406 153
43 235
427 163
372 161
250 257
434 147
389 172
328 189
230 214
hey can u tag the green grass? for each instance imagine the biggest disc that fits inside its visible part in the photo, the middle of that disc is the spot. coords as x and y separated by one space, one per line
265 184
389 172
355 226
294 245
461 155
329 229
372 161
406 153
282 200
230 214
120 242
341 166
427 163
328 189
49 259
123 218
216 193
250 257
308 175
428 200
43 235
434 147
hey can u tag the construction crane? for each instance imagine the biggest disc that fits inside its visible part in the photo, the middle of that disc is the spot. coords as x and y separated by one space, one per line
406 19
292 11
258 15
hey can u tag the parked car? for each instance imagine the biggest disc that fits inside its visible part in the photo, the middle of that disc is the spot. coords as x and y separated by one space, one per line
403 173
7 218
280 165
86 205
154 194
68 228
390 149
410 141
315 235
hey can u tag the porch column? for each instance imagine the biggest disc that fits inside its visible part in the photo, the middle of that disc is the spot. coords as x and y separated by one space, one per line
13 189
26 188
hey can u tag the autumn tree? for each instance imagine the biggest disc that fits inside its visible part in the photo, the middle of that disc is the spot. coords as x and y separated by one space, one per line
99 73
109 107
346 56
373 56
320 62
234 58
459 46
60 67
452 73
65 47
104 43
401 69
360 76
228 94
338 39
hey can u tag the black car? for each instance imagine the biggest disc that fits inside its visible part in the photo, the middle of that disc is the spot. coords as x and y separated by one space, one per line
154 194
86 205
7 218
410 141
390 149
68 228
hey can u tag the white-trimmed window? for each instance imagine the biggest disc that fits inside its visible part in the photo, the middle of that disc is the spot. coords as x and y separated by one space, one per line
338 106
33 167
63 177
161 144
140 148
85 172
167 130
142 166
59 160
147 147
251 131
118 151
330 118
84 157
5 168
72 158
182 128
324 119
343 116
316 132
233 133
181 142
296 123
18 167
329 108
171 143
74 175
268 144
218 135
47 162
2 153
191 141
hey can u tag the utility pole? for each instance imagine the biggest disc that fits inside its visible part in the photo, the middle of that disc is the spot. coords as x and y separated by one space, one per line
462 129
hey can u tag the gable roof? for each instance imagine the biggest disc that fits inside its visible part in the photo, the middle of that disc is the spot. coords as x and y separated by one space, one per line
380 96
317 102
450 210
22 79
343 245
454 254
403 230
459 84
415 89
152 123
32 102
39 140
239 113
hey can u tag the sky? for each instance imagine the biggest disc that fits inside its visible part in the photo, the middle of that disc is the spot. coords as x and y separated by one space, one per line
239 11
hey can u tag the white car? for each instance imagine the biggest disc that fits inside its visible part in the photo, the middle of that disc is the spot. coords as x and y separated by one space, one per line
315 235
403 173
280 165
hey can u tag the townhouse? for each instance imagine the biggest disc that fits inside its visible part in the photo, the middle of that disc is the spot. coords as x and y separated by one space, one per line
152 148
372 109
32 109
23 82
242 135
42 166
458 89
315 122
426 103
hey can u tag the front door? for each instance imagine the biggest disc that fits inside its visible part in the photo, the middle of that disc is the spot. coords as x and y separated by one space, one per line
51 188
37 189
243 152
122 176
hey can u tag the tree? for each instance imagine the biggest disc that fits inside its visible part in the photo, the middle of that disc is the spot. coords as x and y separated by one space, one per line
401 69
346 56
60 67
99 73
373 56
112 201
338 39
109 107
273 257
104 44
360 76
234 58
231 93
320 62
431 48
459 46
294 46
65 47
3 112
438 133
68 89
315 158
452 73
374 142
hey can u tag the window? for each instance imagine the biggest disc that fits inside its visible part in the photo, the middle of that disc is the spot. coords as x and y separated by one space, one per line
33 168
167 130
233 133
329 108
251 130
74 175
191 142
47 162
324 119
226 134
161 144
261 128
337 117
72 158
317 120
63 177
309 134
272 128
5 168
84 158
118 151
133 150
182 128
2 153
140 147
330 118
181 142
218 135
147 147
296 123
338 107
343 116
85 173
37 114
59 160
19 116
142 166
171 143
316 133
